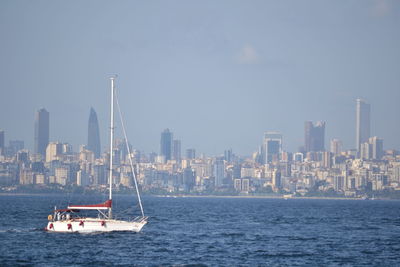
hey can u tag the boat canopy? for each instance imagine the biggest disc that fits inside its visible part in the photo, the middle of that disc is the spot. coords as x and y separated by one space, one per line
66 210
102 206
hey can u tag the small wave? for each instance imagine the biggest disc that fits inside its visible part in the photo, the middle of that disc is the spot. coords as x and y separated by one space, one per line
361 228
298 238
233 234
20 230
368 252
286 255
162 250
190 265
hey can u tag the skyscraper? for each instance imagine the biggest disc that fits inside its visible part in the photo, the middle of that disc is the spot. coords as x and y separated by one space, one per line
177 151
336 146
219 171
41 131
314 136
363 110
93 141
166 144
276 180
365 151
15 146
272 146
373 149
228 155
53 151
189 179
190 153
377 147
1 142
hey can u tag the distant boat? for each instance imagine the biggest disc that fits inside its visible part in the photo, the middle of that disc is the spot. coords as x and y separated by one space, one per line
68 221
287 196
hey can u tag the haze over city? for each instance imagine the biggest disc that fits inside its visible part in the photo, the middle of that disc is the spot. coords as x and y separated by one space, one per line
218 74
258 133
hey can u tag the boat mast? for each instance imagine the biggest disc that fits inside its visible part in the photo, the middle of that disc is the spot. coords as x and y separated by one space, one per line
111 144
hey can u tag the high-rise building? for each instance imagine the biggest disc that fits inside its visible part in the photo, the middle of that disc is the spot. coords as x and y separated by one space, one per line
377 147
228 155
373 149
14 146
314 136
99 174
259 156
62 175
272 146
245 185
365 151
190 153
176 151
1 142
189 179
298 157
53 151
242 185
308 131
276 180
326 159
23 156
82 178
66 148
93 140
120 145
363 110
219 171
42 131
237 184
286 156
166 144
336 146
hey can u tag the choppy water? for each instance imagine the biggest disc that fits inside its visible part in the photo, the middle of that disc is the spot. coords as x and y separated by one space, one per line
210 231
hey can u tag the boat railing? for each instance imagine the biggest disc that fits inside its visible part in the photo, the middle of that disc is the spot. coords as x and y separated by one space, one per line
140 218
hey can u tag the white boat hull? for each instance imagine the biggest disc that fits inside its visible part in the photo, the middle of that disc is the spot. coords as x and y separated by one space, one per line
92 225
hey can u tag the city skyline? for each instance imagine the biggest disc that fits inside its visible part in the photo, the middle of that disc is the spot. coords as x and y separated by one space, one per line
258 132
268 171
219 79
170 148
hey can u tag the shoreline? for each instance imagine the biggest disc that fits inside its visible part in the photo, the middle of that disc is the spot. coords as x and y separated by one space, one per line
266 197
214 196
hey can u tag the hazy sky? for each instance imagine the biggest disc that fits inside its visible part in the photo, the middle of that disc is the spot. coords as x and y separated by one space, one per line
217 73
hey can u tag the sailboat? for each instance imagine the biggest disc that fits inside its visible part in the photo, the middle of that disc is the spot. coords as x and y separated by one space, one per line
68 221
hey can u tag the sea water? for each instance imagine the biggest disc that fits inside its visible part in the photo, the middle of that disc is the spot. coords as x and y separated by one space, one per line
208 231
